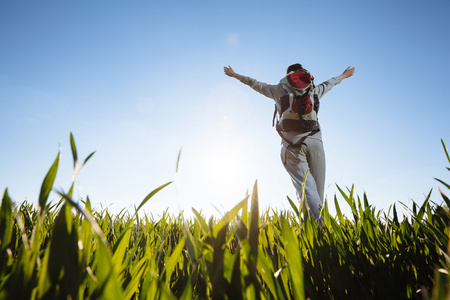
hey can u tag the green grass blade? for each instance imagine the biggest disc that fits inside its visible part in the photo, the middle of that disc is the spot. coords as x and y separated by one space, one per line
190 244
152 193
44 283
395 216
108 286
444 183
120 249
446 199
60 239
74 151
133 286
203 225
254 221
178 162
338 211
267 273
6 224
244 216
366 202
47 184
187 293
87 158
172 260
86 214
235 290
445 149
294 207
294 259
76 167
229 216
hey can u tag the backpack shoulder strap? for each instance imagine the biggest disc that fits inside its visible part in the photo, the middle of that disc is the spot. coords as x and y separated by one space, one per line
316 103
274 116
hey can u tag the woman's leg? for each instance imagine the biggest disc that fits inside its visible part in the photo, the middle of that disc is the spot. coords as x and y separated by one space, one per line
295 161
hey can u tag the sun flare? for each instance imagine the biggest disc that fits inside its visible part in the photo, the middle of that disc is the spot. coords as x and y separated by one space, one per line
223 168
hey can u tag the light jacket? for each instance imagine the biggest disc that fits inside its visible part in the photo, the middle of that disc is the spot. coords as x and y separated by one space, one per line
277 91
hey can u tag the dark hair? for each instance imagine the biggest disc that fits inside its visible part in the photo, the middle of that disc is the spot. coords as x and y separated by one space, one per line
294 68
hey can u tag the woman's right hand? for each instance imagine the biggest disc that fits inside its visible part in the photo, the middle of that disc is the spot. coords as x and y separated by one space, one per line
348 73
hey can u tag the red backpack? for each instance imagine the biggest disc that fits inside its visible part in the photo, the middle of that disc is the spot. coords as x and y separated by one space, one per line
300 106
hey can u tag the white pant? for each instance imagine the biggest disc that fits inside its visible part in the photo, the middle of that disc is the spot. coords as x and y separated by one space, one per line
297 161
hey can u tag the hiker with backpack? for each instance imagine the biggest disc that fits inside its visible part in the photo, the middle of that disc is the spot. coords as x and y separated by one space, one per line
296 106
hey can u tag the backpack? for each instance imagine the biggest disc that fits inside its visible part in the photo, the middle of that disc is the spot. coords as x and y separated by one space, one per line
299 108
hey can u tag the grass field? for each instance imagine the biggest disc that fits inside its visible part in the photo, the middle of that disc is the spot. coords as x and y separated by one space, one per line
68 251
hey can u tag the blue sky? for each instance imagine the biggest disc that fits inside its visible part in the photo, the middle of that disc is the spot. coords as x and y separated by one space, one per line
138 81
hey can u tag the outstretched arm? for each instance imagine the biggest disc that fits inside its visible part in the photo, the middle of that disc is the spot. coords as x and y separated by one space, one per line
230 72
326 86
268 90
347 73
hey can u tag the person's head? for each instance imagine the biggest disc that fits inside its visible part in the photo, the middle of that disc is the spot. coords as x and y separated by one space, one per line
294 68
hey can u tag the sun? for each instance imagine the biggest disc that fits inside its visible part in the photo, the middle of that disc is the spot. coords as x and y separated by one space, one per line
222 177
224 165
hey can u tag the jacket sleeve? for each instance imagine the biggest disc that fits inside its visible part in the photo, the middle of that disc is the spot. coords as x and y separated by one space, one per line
326 86
268 90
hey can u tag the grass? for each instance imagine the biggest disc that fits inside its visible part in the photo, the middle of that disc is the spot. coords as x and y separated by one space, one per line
68 251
